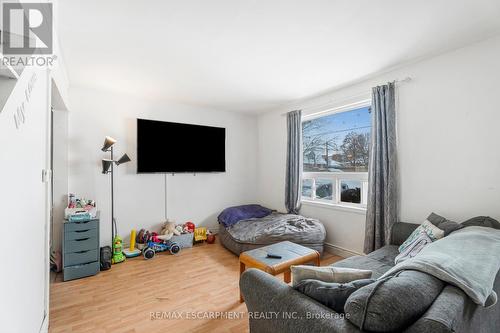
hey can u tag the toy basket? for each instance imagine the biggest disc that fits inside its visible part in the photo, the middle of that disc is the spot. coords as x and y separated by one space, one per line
183 240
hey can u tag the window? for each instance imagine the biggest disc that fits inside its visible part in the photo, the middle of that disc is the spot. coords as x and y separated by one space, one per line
335 157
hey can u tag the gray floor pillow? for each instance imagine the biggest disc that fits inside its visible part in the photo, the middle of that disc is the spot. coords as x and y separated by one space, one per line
394 303
331 294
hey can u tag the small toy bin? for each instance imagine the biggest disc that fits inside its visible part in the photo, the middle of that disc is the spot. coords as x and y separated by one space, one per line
183 240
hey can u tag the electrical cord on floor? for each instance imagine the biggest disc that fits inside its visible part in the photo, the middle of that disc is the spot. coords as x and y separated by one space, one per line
165 191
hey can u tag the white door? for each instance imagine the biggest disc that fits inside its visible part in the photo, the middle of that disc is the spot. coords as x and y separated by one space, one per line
24 147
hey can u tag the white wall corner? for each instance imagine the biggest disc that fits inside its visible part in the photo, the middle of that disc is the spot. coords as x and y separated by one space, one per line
59 76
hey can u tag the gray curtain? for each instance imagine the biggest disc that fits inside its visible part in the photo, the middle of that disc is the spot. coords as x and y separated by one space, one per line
293 161
382 210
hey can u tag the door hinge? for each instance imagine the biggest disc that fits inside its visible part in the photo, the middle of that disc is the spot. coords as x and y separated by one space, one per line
46 175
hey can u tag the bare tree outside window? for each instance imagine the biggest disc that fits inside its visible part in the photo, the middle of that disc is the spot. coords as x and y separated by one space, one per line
355 150
338 142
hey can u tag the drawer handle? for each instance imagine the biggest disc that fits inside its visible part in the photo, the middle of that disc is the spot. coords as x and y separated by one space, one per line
82 230
82 239
82 251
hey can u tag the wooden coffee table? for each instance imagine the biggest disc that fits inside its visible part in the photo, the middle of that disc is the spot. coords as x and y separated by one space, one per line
291 254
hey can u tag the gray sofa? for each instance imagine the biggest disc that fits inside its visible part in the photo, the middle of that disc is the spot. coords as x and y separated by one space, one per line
276 307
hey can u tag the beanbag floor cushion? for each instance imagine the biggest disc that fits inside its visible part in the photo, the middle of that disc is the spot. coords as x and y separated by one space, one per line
253 233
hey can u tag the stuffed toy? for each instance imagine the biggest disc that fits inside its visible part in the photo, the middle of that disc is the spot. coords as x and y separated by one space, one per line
155 238
189 226
168 230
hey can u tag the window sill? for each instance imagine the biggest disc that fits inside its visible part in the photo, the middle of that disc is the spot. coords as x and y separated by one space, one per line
327 205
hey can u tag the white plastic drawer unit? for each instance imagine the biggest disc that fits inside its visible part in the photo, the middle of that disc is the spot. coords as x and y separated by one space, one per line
80 249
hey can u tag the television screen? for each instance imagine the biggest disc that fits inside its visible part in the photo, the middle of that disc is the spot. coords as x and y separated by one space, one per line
174 147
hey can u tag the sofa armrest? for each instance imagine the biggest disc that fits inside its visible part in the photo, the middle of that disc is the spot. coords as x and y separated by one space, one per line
400 232
446 313
276 307
453 311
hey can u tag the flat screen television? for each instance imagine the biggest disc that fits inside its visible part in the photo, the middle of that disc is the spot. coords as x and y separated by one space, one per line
166 147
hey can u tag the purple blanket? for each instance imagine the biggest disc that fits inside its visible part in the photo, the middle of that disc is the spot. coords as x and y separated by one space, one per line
233 215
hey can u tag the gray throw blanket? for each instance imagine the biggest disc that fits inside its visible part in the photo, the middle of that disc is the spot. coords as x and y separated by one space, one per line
468 258
278 227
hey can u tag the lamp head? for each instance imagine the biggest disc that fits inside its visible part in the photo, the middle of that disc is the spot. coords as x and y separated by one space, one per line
106 165
108 142
123 159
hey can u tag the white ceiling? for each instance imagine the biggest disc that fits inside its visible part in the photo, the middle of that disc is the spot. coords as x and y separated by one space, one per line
252 55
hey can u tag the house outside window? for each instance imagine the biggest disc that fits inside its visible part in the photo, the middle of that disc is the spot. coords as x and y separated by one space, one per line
335 156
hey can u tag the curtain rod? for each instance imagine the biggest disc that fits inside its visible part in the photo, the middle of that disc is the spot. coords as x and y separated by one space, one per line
367 93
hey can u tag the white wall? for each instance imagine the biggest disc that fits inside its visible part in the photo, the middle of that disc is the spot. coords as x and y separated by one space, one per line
23 206
139 198
448 118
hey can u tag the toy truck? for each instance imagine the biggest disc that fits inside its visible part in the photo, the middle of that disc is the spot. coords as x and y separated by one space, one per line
152 248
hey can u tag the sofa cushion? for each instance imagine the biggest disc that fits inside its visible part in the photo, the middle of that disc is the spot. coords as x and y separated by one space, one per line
328 274
393 303
482 221
444 224
379 261
385 255
331 294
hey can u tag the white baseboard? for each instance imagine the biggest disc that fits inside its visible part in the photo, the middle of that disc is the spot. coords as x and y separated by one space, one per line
45 325
213 228
340 251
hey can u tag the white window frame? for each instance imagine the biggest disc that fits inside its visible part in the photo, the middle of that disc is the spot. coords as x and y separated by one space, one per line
337 177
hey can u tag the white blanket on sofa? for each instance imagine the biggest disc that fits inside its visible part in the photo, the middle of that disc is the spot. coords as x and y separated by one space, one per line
468 258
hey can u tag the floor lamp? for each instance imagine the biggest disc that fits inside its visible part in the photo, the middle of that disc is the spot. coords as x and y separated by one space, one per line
107 168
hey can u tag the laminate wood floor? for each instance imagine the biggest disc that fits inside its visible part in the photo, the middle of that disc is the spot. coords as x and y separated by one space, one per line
166 294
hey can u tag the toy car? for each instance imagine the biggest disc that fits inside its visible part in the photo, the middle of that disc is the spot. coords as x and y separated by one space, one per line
152 248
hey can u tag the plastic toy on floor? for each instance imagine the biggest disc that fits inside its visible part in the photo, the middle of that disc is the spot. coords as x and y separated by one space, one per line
132 251
210 237
200 234
188 226
154 247
117 251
